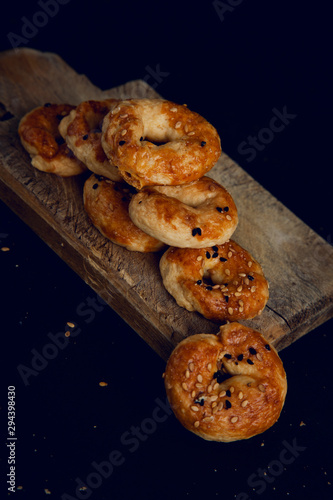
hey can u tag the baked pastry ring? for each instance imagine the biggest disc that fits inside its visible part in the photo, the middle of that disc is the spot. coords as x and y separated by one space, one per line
195 215
40 137
134 128
228 386
82 132
106 203
222 282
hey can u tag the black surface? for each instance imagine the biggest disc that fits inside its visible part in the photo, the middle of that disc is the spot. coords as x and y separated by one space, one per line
263 56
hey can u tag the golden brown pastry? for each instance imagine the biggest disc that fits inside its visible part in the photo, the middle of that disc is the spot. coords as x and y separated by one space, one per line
195 215
222 282
39 134
228 386
106 203
154 141
82 132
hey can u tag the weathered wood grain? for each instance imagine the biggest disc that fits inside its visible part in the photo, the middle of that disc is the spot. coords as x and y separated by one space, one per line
301 282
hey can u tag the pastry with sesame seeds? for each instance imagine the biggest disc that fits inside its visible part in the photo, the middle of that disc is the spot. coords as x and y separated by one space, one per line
222 282
39 134
234 400
195 215
159 142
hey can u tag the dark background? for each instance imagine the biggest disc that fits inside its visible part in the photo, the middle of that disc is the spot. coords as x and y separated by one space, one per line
234 62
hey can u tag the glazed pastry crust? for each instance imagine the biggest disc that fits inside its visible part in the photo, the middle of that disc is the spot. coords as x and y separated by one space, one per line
39 134
195 215
222 282
106 202
134 130
226 387
82 130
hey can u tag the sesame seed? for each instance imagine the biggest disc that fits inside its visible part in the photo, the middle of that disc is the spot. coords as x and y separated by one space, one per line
253 289
186 128
229 254
184 386
67 334
209 366
227 272
232 389
207 419
262 388
246 281
220 406
233 420
187 374
214 404
240 288
214 410
199 378
258 356
178 124
70 324
241 309
228 217
250 362
240 395
213 398
216 386
199 258
230 310
244 403
191 133
199 386
237 294
124 132
242 275
194 408
241 303
174 110
125 115
103 384
215 287
196 423
222 394
191 367
250 263
193 394
209 389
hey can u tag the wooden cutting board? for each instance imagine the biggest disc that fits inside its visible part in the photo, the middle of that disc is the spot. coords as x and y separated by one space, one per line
301 281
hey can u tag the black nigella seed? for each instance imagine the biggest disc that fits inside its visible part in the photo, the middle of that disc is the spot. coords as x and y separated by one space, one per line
226 298
228 356
199 282
141 138
240 357
226 209
250 362
207 255
196 230
47 105
268 347
215 254
219 209
209 287
215 248
203 143
251 278
220 377
222 259
60 141
252 350
200 402
121 143
228 393
98 177
85 137
60 117
124 198
95 186
227 404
